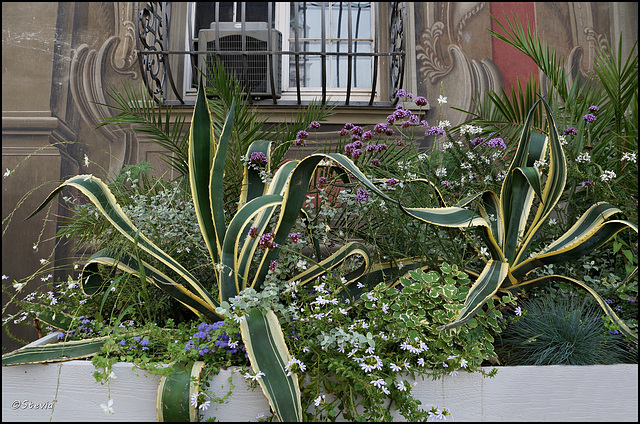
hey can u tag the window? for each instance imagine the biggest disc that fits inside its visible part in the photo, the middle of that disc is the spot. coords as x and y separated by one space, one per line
329 50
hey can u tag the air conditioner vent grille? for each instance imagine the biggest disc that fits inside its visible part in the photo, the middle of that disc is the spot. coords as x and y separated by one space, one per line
258 71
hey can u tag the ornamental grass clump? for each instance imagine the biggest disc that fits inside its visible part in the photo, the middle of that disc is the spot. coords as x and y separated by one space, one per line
558 330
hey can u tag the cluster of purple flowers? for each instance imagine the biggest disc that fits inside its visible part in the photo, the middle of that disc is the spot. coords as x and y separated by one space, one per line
294 237
137 341
266 241
258 158
302 135
497 142
86 328
203 335
361 195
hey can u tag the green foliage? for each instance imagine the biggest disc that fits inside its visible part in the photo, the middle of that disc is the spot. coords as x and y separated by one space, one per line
508 225
557 330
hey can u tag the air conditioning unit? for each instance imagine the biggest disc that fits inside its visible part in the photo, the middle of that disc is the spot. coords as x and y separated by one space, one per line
258 70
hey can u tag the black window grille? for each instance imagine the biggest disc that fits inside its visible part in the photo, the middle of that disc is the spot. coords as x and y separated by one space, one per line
253 51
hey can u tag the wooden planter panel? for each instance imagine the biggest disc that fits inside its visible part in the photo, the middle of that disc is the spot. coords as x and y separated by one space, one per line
523 393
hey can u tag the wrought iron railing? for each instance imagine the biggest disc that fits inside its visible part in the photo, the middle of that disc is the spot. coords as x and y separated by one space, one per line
154 31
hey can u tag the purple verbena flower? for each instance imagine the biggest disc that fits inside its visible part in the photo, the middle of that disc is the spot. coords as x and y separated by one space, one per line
421 101
570 131
258 158
362 195
589 118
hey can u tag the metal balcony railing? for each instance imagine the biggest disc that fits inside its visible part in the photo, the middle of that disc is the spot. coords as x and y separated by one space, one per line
154 31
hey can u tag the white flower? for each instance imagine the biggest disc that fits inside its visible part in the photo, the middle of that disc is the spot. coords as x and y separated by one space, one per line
5 277
86 160
238 319
205 405
463 363
484 251
292 361
518 311
319 400
540 163
379 382
441 172
607 176
553 221
630 157
194 399
394 367
442 99
444 124
583 157
18 286
563 140
7 172
108 407
256 377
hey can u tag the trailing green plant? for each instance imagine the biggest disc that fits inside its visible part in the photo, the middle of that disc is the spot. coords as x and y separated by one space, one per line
505 224
392 336
556 330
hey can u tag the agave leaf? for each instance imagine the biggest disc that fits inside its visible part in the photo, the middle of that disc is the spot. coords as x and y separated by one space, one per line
92 281
250 245
267 351
553 189
483 289
338 257
100 195
201 153
173 398
569 249
55 352
231 283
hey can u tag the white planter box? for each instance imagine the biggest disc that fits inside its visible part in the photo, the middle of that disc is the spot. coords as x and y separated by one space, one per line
67 391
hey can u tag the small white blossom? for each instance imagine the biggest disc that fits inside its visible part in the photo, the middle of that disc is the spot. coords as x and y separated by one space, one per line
319 400
108 408
583 158
86 160
518 311
256 377
607 176
7 172
442 99
629 157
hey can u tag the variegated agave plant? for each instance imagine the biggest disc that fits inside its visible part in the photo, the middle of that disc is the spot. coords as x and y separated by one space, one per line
232 250
506 228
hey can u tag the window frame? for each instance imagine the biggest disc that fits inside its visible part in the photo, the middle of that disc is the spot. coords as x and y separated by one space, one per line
176 52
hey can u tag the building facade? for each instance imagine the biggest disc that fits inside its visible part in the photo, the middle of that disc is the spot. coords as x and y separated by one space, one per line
60 58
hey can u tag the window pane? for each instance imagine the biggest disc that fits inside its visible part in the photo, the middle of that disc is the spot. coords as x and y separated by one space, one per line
360 20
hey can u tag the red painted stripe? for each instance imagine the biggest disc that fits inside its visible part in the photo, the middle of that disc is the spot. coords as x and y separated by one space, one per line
513 64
